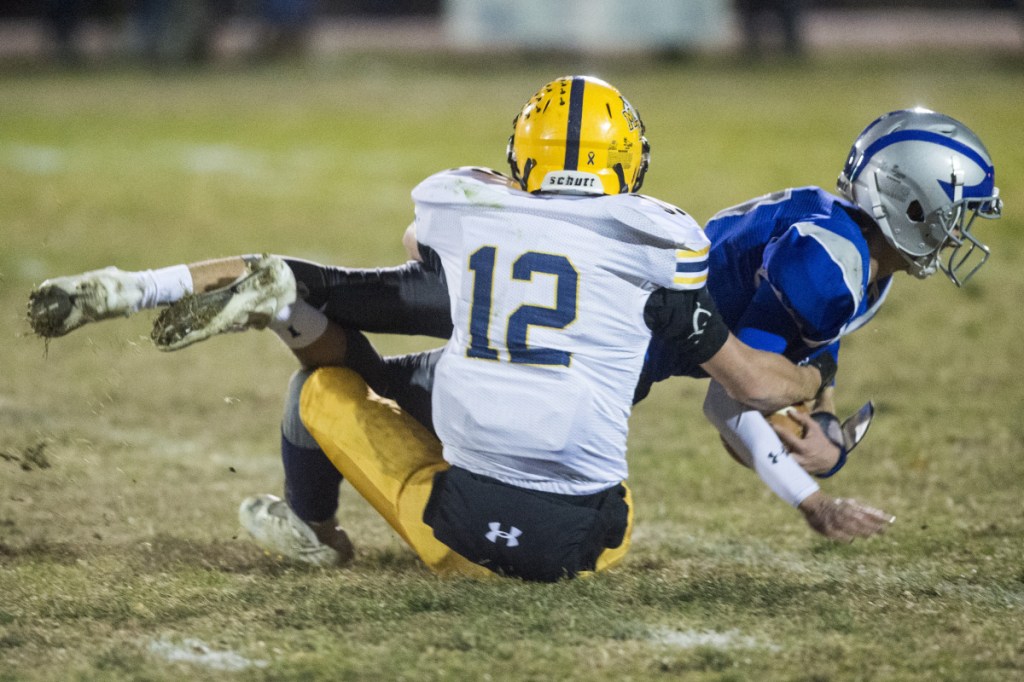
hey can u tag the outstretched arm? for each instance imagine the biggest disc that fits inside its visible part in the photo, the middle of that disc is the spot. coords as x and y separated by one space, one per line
689 323
765 381
843 519
747 434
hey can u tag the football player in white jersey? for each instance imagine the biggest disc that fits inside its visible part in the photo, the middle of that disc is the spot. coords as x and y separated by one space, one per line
556 280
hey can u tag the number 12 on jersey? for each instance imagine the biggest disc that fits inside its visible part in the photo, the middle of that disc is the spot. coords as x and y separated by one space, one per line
481 263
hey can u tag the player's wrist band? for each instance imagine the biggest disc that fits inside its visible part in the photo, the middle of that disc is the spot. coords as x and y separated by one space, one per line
829 424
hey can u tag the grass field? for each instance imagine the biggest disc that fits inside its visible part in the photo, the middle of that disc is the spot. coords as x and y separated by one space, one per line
121 468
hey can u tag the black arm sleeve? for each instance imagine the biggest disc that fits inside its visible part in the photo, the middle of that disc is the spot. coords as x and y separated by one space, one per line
407 299
688 321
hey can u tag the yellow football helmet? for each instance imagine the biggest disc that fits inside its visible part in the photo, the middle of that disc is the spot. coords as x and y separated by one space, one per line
578 135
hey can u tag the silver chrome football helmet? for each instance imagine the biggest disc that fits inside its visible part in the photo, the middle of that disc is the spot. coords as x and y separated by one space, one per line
924 177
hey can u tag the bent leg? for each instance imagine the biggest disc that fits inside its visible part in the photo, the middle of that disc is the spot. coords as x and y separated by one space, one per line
311 480
385 454
406 379
403 299
613 555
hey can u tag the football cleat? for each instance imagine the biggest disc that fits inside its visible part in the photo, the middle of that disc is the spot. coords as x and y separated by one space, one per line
250 303
276 528
63 304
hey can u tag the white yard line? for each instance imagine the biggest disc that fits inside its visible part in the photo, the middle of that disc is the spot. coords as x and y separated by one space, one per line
199 653
690 639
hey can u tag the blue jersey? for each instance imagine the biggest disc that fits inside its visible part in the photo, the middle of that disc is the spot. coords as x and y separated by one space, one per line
789 273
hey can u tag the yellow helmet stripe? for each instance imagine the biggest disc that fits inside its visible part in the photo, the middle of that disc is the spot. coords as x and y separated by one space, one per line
572 133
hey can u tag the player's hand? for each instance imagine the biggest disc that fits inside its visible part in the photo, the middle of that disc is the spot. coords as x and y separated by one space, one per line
843 519
814 451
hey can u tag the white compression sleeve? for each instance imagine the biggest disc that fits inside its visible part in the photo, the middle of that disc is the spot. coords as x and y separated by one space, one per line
164 285
752 437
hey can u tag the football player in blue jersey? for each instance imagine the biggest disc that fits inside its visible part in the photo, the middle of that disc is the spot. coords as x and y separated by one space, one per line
314 309
795 271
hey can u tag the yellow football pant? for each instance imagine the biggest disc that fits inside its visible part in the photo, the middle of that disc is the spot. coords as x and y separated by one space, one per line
390 459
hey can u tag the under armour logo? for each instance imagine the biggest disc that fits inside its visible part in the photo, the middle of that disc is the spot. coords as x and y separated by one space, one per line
509 537
774 456
294 332
699 321
590 159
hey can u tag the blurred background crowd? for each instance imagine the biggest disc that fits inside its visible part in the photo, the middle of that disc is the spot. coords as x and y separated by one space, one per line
168 32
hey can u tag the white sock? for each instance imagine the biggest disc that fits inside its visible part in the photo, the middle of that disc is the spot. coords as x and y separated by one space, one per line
164 286
299 324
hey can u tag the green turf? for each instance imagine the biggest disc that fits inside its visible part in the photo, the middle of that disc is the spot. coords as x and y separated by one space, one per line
121 468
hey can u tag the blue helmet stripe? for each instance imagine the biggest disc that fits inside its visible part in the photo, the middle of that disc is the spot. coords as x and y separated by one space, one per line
918 136
982 190
572 134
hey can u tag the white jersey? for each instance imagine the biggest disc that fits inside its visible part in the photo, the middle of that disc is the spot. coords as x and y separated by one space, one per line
535 386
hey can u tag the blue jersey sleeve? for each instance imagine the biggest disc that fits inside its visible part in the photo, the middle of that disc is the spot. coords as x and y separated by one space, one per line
766 324
811 283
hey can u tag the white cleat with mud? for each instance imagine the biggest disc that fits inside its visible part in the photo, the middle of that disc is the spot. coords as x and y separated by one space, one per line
63 304
250 303
276 528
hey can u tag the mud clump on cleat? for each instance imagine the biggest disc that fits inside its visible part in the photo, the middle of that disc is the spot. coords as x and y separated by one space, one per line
180 318
47 310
